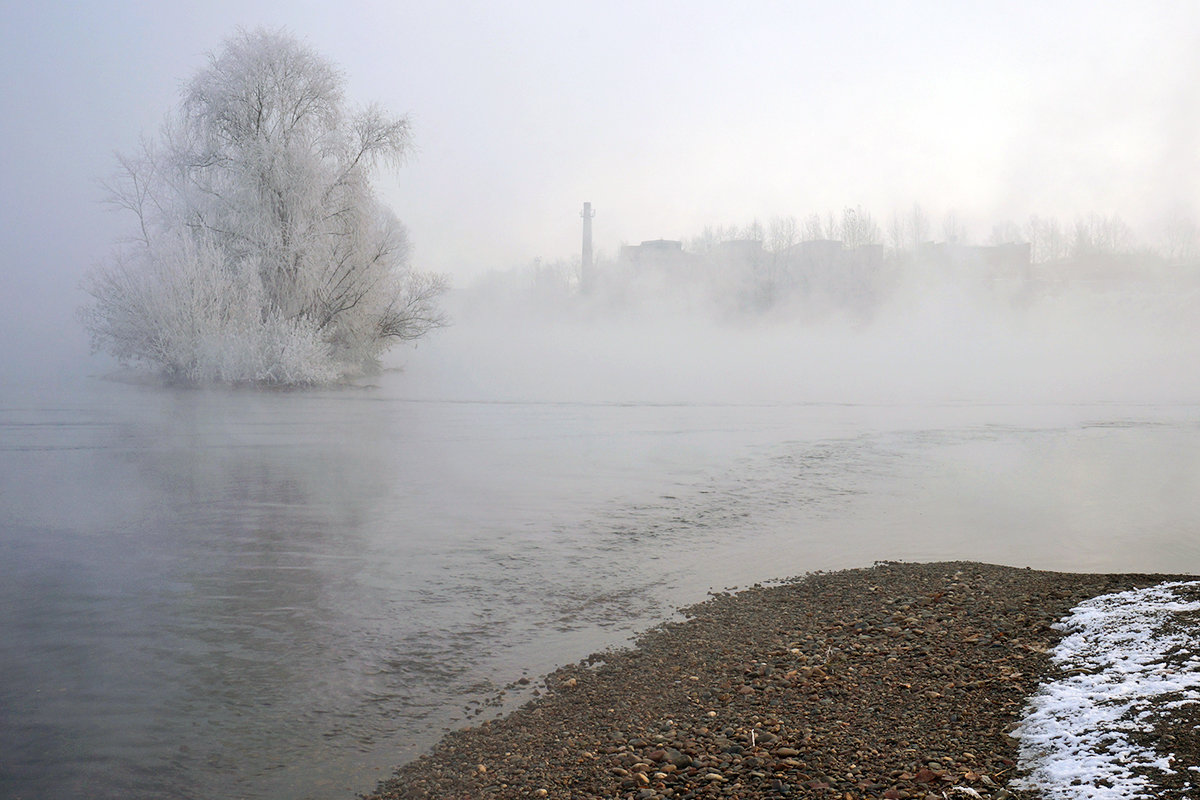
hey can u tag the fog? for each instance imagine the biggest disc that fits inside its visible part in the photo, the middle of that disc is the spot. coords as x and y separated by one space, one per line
669 120
927 339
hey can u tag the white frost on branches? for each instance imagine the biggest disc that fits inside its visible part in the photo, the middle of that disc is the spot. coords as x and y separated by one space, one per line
261 252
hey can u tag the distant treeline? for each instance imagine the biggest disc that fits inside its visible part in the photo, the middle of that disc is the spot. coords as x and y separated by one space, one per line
849 263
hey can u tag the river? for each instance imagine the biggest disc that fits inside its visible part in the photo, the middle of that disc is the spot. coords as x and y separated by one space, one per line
284 594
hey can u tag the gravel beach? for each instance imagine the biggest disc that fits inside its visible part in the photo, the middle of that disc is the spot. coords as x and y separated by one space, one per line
894 681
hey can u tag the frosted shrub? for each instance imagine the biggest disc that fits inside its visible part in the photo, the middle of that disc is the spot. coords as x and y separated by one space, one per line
291 351
262 253
202 322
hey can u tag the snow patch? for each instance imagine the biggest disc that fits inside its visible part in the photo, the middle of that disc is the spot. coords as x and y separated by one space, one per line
1121 658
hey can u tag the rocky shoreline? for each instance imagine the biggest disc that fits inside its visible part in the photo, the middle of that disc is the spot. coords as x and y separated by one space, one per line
894 681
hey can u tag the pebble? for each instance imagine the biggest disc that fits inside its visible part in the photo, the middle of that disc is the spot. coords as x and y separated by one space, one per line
813 694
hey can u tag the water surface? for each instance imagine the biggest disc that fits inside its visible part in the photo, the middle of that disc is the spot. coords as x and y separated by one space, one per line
284 594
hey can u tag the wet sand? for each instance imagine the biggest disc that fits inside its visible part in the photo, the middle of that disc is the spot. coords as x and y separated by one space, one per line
893 681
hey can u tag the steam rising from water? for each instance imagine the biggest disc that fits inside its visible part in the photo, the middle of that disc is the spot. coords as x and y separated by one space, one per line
1119 342
325 578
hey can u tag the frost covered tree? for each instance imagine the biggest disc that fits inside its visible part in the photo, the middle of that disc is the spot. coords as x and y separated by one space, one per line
261 252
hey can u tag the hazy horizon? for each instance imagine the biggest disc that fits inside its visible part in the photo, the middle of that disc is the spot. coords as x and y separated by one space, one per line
667 118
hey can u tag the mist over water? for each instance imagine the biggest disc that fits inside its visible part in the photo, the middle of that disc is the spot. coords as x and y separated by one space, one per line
931 339
228 592
280 594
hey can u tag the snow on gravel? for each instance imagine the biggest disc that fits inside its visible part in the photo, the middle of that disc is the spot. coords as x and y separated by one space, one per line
1123 663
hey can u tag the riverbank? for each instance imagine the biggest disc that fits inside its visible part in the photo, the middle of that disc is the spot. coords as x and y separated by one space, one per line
895 681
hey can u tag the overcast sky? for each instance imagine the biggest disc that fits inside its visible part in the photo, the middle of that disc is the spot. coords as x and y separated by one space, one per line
666 116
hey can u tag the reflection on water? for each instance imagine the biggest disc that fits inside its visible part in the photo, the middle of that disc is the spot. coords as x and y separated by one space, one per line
249 594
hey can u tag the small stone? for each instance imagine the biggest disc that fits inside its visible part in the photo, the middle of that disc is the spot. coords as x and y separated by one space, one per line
481 769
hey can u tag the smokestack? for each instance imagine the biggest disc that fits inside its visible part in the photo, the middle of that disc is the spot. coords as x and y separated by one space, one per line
585 269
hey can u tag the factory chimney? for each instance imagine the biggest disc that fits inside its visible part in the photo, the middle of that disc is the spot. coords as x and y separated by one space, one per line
585 268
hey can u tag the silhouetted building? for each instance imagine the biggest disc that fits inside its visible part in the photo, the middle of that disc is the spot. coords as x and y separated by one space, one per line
654 252
1007 261
743 251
